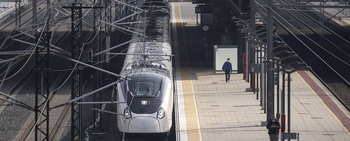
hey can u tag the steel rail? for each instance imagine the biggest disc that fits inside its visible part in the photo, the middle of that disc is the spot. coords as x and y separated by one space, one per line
301 21
16 103
340 100
15 99
305 44
85 95
22 14
51 45
63 114
31 124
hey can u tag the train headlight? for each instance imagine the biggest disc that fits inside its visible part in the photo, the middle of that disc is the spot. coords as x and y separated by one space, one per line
144 102
160 113
127 113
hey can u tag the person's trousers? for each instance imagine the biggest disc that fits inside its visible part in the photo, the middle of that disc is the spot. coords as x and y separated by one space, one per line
273 137
227 75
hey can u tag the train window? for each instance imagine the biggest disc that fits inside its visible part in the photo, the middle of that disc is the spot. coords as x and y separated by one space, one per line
144 88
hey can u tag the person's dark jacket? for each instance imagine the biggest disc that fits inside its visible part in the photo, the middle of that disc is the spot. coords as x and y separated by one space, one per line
227 64
273 130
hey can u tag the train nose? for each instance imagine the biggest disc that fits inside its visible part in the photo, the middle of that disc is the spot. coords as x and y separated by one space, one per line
144 125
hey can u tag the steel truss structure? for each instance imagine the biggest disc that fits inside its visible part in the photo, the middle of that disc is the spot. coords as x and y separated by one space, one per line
18 13
42 85
102 27
76 78
124 10
98 74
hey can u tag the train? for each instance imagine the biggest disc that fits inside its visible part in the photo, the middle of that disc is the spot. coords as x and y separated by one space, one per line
147 91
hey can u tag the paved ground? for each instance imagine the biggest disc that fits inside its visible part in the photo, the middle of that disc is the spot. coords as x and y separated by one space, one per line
212 110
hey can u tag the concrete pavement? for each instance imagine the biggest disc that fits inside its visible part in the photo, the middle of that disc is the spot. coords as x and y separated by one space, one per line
212 110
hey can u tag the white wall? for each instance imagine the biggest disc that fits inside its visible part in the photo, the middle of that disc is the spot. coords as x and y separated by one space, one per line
222 52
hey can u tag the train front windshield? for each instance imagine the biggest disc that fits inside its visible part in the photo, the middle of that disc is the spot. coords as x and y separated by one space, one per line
144 85
144 88
143 92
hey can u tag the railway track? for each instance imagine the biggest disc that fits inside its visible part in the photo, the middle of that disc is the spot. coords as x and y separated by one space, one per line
62 115
25 15
60 37
321 48
30 66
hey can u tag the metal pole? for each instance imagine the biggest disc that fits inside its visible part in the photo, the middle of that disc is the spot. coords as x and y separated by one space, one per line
270 77
252 26
247 60
288 103
48 8
252 14
18 13
283 125
265 87
97 45
261 79
42 74
80 106
48 37
278 90
283 92
250 64
36 107
34 12
196 19
257 76
251 61
76 77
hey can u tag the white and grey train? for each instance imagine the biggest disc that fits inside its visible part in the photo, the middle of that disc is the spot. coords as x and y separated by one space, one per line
148 92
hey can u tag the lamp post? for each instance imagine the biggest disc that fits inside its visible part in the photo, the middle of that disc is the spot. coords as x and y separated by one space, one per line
279 62
288 104
262 57
249 52
261 47
247 38
250 43
283 84
251 61
257 75
257 70
260 44
245 29
289 72
261 78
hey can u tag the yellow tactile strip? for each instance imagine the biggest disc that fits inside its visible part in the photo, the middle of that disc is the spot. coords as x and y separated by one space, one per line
193 128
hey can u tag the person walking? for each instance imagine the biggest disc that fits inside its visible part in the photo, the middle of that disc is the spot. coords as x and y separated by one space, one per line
273 125
227 67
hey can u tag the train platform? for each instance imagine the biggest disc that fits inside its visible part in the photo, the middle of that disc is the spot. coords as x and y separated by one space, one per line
5 9
208 109
8 7
338 17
